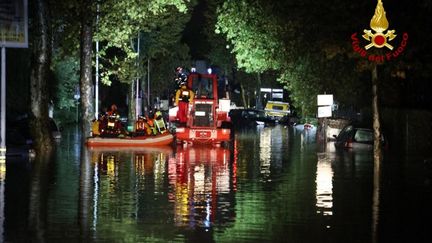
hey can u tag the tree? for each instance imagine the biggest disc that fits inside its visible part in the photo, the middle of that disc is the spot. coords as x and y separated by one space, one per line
66 80
119 24
315 57
39 124
253 35
86 54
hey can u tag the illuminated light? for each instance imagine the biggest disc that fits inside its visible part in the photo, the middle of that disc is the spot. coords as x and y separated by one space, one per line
209 70
180 129
224 105
200 113
193 69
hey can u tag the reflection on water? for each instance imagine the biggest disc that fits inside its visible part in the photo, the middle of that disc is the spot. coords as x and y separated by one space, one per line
273 184
200 178
324 186
265 151
2 199
130 188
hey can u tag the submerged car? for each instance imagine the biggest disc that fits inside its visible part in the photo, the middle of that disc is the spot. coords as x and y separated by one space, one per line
18 144
242 117
352 137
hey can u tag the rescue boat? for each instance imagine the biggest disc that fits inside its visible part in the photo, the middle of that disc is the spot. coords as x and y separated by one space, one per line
165 149
140 141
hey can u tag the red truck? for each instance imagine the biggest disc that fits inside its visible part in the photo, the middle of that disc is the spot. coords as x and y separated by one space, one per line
208 120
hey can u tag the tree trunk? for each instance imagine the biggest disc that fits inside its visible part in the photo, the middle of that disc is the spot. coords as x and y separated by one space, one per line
132 116
41 59
376 116
86 67
242 90
258 101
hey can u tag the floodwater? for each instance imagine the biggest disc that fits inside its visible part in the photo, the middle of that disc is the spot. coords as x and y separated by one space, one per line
273 184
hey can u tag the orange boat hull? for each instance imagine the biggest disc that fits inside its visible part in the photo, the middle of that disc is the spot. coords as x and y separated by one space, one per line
159 140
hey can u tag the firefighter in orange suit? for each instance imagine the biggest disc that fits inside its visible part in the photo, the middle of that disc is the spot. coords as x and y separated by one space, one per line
182 98
140 126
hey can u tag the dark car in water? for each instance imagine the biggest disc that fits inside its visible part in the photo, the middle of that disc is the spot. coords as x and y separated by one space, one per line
252 117
352 137
19 143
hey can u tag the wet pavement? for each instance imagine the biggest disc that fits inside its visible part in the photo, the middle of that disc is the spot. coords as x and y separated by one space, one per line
273 184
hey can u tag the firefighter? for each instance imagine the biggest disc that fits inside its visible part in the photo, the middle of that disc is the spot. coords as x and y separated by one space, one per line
151 125
159 122
183 97
181 76
95 128
140 126
113 111
114 126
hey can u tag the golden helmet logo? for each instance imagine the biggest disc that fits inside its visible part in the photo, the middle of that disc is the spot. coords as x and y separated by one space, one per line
379 37
379 24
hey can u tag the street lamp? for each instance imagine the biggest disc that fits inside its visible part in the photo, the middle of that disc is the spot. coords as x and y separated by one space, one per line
77 97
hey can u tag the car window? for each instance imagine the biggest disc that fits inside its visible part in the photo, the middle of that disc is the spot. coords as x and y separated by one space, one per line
363 136
278 107
347 129
346 133
261 114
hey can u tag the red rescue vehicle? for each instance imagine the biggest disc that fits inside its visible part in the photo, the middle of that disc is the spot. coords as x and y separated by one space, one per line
208 121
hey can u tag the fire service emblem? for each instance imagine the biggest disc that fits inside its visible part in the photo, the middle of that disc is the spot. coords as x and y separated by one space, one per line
379 36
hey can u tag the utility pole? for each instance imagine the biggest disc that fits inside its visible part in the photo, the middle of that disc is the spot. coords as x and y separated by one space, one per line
97 68
148 81
137 107
3 104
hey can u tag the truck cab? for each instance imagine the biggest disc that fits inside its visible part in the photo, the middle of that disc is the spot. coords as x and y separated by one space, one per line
277 110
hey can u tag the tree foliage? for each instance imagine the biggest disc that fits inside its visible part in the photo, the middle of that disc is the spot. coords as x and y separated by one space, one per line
66 72
283 36
119 25
253 34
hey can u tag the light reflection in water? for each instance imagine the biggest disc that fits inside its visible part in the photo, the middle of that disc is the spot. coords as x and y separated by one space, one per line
112 171
324 185
199 176
2 196
265 151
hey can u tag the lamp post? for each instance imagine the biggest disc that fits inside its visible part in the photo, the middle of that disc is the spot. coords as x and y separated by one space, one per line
97 69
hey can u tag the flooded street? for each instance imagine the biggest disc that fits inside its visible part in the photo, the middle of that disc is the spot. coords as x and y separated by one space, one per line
273 184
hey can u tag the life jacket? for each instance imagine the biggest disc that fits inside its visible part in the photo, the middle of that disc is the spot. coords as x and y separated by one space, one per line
159 122
140 125
95 128
152 128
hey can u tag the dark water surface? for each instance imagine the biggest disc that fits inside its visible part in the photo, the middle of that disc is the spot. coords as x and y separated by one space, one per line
275 184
